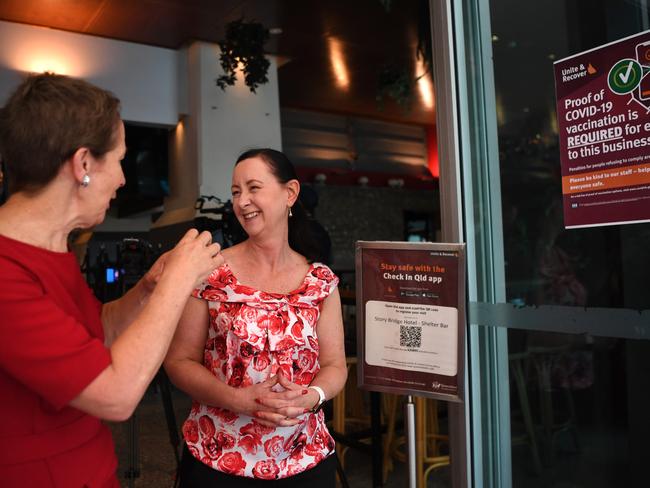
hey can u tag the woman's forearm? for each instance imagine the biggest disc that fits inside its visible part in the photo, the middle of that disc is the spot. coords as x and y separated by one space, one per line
331 356
118 314
136 355
138 351
200 384
331 378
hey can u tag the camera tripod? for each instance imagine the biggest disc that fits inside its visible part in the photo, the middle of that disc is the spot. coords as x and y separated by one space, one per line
137 256
132 471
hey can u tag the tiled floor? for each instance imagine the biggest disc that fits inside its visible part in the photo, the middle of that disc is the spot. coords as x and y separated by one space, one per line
157 462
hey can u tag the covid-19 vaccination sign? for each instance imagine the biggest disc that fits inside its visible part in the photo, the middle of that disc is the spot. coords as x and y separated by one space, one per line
603 109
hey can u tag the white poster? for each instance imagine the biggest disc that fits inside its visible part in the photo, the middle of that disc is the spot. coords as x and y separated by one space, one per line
412 337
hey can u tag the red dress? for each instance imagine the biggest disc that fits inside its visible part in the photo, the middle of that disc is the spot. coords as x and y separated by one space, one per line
51 348
252 335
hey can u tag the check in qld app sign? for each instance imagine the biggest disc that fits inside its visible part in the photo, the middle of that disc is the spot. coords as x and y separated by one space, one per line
603 110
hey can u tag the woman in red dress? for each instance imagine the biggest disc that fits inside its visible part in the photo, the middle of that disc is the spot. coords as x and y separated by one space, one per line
66 361
260 346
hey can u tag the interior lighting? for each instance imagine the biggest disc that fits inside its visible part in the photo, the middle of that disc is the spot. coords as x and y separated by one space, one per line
339 66
44 50
177 150
501 113
50 65
180 132
31 49
40 56
495 38
433 162
425 86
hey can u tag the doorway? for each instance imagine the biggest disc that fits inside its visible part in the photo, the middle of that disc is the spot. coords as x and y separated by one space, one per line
557 342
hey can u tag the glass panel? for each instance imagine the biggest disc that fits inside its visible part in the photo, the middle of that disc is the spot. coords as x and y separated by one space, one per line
574 408
575 400
546 264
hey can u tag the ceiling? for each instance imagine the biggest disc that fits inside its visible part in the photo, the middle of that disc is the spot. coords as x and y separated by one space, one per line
364 34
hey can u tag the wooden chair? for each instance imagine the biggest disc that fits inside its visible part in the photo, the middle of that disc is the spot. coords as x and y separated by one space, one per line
554 420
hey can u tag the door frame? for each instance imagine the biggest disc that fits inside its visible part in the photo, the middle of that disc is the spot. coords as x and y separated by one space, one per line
469 182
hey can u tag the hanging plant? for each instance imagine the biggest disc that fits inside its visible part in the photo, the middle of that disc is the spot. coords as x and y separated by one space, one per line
386 4
243 48
424 50
395 82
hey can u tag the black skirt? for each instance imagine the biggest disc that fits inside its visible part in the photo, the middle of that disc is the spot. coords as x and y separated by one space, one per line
194 474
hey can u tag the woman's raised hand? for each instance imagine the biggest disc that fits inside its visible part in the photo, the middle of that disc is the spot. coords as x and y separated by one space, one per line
195 256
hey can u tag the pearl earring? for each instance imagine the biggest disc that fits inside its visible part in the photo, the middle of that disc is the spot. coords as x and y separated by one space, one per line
290 214
85 181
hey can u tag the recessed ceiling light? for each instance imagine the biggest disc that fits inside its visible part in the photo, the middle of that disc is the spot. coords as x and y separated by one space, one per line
495 38
275 31
339 63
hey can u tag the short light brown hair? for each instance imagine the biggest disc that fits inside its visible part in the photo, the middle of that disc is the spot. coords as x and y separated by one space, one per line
45 121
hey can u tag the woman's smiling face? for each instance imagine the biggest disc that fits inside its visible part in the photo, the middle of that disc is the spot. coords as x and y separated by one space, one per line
259 200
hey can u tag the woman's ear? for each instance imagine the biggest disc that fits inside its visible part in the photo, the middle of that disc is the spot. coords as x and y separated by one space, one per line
293 190
80 163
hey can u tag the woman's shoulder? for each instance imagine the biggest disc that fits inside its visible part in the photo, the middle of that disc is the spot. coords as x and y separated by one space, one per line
215 286
233 250
233 254
322 271
321 277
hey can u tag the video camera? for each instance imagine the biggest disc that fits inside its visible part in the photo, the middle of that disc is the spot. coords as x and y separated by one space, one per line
135 257
114 264
218 218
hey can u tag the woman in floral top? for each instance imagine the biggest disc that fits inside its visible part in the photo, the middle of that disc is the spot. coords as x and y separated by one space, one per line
260 346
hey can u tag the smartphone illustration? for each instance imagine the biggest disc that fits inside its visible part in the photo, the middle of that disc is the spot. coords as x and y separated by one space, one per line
643 53
643 57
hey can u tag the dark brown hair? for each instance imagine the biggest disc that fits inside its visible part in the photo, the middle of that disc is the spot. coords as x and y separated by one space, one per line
45 121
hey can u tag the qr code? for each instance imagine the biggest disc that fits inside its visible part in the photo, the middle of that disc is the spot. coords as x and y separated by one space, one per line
410 336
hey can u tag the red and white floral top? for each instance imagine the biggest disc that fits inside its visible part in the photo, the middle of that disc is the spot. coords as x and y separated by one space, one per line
253 334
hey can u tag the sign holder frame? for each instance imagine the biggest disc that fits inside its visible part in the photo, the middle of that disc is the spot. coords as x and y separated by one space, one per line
362 298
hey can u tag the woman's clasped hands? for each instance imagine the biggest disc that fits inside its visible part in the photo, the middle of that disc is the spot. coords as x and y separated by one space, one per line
278 408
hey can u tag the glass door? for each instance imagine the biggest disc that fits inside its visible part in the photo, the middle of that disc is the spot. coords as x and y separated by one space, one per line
559 356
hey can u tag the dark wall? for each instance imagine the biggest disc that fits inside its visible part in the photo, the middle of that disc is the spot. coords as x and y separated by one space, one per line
351 213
